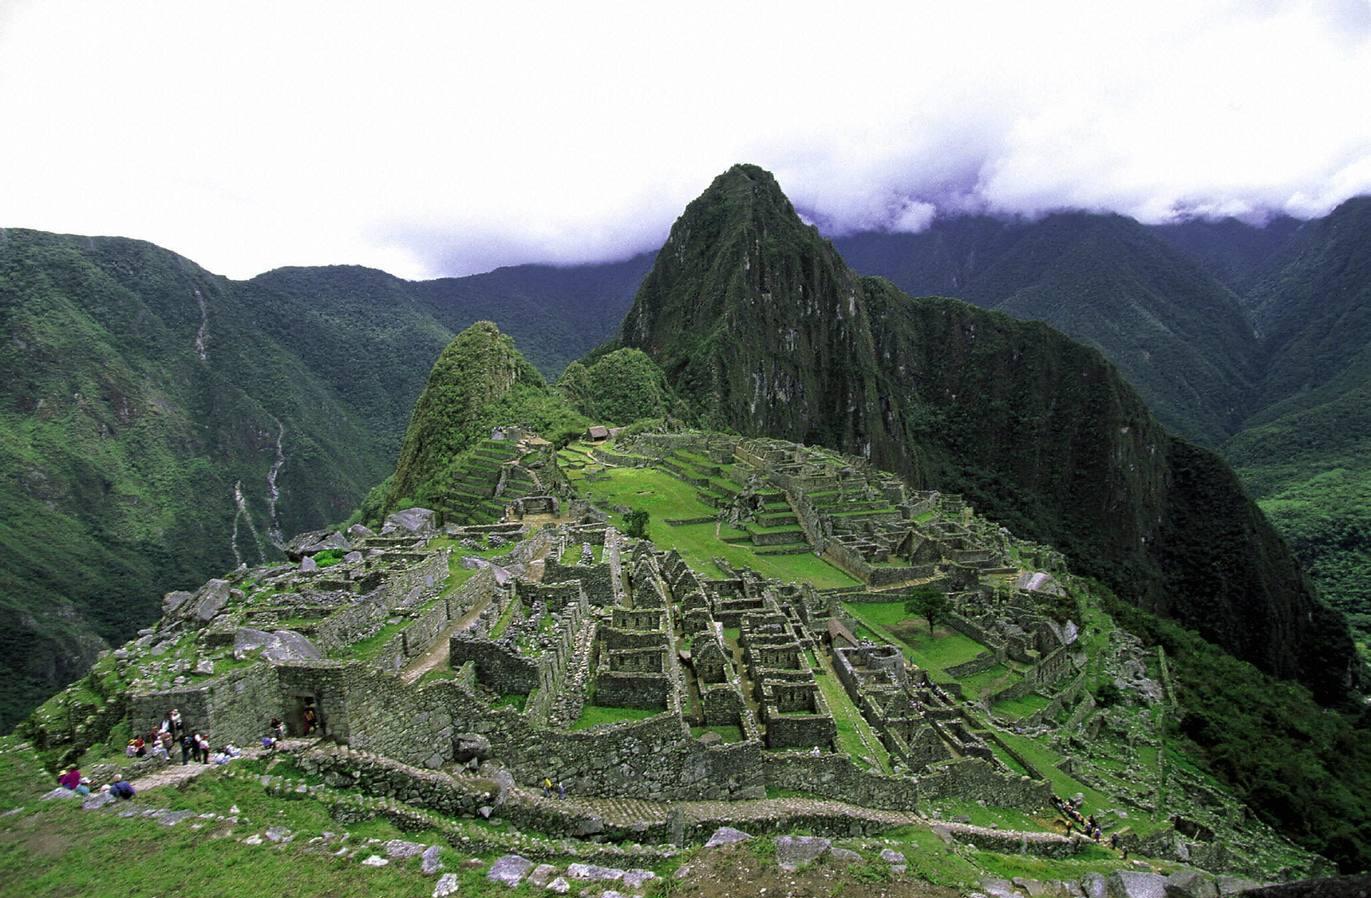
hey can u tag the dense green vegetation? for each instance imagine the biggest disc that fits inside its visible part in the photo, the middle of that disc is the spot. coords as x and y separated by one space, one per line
1177 334
1302 768
619 387
1277 372
671 499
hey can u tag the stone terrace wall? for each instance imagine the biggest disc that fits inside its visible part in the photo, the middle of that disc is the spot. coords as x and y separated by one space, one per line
419 636
497 667
834 776
594 578
236 707
973 779
369 614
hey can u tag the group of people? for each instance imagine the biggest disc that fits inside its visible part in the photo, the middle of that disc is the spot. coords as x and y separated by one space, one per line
73 780
173 733
549 788
1087 826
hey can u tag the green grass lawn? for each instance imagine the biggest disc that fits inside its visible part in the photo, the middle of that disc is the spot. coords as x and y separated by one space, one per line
943 649
1004 818
665 498
728 733
571 556
989 681
594 715
1024 706
366 649
855 735
1046 760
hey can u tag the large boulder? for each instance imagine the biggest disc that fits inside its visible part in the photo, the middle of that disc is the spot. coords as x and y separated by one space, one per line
410 522
1127 884
1358 885
794 852
1190 884
359 532
278 646
174 600
466 746
726 835
208 601
295 549
509 870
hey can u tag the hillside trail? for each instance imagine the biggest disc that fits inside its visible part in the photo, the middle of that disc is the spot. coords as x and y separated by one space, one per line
437 654
173 774
767 812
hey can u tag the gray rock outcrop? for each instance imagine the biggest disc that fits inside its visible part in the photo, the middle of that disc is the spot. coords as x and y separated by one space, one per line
278 646
794 852
409 522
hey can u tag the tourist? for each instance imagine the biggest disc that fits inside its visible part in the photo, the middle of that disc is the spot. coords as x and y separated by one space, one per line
202 744
174 724
136 748
70 780
159 751
187 747
311 719
561 790
278 729
547 787
121 788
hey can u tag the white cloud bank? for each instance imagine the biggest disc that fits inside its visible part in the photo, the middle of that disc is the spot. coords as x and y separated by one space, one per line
446 138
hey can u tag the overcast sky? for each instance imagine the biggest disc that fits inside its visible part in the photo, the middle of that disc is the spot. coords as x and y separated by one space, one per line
443 138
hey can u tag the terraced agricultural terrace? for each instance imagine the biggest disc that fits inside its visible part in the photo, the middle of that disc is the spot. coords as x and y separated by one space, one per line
751 662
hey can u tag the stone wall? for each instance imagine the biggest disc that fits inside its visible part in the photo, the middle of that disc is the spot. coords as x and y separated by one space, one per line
497 667
975 779
834 776
420 635
236 707
369 614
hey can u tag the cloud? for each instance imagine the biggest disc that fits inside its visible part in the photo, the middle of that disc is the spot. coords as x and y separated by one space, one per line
443 139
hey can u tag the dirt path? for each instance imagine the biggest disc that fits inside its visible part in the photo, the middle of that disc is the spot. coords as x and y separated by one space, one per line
437 654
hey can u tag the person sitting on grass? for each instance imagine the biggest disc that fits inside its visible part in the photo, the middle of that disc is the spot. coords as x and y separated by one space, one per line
74 781
121 788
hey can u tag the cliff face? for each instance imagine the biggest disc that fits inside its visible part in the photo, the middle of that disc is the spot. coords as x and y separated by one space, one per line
758 323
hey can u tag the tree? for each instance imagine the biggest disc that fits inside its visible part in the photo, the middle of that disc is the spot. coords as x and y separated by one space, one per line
635 523
929 603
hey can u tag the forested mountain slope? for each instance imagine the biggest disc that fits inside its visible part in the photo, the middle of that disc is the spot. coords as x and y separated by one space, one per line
1177 334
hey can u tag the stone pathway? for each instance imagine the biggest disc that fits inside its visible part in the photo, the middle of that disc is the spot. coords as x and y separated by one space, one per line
630 812
437 654
174 773
566 707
